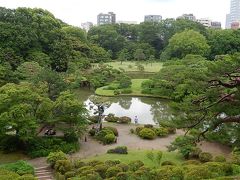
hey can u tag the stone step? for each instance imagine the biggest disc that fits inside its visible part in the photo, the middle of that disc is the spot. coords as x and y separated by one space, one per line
43 173
44 177
43 167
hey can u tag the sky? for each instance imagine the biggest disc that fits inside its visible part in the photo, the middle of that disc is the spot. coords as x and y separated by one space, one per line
75 12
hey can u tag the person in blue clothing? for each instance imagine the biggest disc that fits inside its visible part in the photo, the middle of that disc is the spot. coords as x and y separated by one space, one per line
136 119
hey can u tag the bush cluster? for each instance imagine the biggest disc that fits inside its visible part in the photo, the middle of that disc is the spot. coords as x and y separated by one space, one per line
114 119
150 132
42 146
115 170
118 150
10 175
107 135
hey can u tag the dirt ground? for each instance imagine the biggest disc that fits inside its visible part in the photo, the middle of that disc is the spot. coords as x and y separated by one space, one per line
133 142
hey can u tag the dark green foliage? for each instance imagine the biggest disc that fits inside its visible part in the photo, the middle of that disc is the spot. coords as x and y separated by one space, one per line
92 132
93 119
113 129
191 162
53 157
113 171
194 172
168 163
168 172
118 150
161 132
111 118
123 166
112 162
138 129
135 165
101 169
20 167
220 158
184 144
40 147
124 120
205 157
147 133
106 136
63 166
148 126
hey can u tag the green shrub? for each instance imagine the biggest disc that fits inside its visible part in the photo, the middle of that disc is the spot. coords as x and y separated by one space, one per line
236 158
235 170
116 92
124 120
113 171
195 152
191 162
205 157
42 146
135 165
126 91
101 169
132 131
63 166
113 129
111 118
122 176
27 177
123 166
138 129
20 167
70 136
194 172
216 168
112 162
85 170
118 150
168 163
147 133
8 175
78 164
109 139
220 158
94 163
69 174
53 157
161 132
168 172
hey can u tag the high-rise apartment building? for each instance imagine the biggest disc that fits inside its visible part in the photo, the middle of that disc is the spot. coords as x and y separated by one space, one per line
152 18
205 22
190 17
234 15
109 18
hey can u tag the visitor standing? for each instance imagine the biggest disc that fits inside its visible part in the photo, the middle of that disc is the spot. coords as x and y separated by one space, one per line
136 119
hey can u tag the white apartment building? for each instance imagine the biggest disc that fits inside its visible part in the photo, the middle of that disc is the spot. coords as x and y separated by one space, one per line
205 22
109 18
152 18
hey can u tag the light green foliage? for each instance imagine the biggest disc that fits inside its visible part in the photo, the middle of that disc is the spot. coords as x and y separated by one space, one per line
28 70
205 157
184 144
147 133
63 166
20 167
184 43
53 157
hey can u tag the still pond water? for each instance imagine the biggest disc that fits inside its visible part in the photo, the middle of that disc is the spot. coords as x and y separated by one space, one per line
147 110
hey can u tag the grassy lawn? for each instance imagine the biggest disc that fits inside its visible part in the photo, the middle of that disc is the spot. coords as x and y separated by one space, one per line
131 66
136 89
11 157
139 155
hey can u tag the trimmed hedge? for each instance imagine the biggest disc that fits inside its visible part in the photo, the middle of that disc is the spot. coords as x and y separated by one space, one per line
147 133
113 129
118 150
205 157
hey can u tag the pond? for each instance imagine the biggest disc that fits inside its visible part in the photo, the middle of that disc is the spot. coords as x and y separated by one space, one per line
147 110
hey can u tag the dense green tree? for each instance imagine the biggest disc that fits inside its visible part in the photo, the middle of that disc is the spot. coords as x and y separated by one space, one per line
69 110
223 42
28 70
139 55
184 43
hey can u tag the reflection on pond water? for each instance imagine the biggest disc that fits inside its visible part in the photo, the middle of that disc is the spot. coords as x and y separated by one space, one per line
148 110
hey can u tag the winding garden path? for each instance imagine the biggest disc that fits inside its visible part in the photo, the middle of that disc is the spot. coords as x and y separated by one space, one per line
133 142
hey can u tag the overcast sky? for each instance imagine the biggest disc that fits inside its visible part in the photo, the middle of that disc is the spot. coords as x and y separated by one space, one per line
75 12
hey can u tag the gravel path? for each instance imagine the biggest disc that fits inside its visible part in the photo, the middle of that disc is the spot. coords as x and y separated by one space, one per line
133 142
